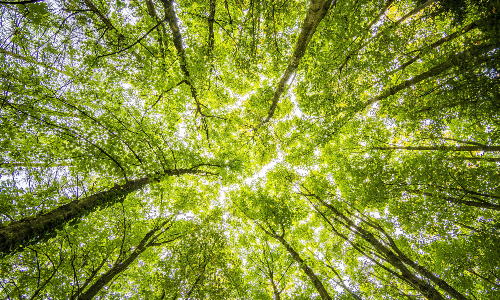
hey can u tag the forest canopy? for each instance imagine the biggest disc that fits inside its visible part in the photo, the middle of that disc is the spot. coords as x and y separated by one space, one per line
242 149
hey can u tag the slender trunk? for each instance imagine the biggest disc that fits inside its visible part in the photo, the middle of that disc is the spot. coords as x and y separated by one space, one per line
414 12
101 16
484 278
34 228
391 27
89 279
429 275
428 291
420 269
341 282
211 19
276 292
161 31
302 264
108 24
307 270
438 43
173 23
198 278
387 4
119 266
491 159
423 287
474 53
270 273
442 148
109 275
464 202
316 12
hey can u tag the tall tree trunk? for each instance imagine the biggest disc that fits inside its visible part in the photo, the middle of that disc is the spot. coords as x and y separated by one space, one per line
404 258
341 282
276 292
382 32
442 148
302 264
211 19
316 12
307 270
460 201
173 23
120 266
392 258
34 228
473 53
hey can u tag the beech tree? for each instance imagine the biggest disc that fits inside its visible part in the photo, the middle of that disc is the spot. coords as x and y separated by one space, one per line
233 149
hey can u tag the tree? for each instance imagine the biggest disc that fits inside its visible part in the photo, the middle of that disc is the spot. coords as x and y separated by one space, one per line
249 150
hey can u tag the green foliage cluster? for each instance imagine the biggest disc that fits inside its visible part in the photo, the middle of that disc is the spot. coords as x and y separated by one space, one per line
191 150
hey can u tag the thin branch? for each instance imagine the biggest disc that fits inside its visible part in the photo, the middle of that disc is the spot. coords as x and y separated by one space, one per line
134 43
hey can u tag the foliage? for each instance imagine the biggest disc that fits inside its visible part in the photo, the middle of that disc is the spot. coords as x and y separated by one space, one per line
219 149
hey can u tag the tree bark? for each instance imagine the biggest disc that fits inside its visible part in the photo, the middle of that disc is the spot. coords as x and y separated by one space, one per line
439 43
392 258
316 12
211 18
101 16
302 264
309 272
465 202
473 53
341 282
391 27
35 228
173 23
442 148
420 269
119 266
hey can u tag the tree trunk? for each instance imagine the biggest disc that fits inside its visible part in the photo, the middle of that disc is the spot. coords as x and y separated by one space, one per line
473 53
405 259
309 272
119 266
464 202
341 282
442 148
381 32
173 23
211 19
302 264
392 258
491 159
34 228
316 12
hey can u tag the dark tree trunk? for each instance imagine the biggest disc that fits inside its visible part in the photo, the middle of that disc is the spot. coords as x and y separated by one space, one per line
316 12
34 228
392 258
475 53
302 264
463 202
119 266
442 148
309 272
